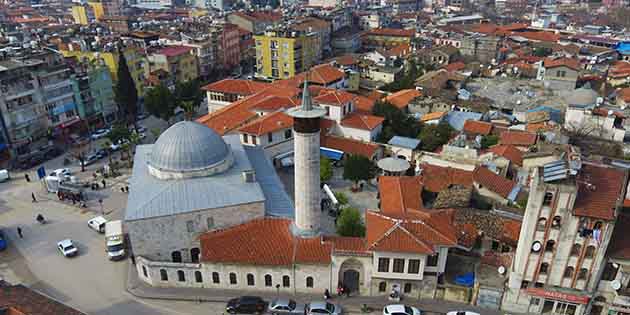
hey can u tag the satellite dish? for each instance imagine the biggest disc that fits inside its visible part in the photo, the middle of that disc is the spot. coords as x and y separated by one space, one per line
501 270
616 285
536 246
615 265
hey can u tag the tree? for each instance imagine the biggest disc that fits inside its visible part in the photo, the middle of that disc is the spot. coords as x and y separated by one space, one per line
434 136
350 223
160 102
106 145
341 198
189 109
325 169
397 123
488 141
189 91
358 167
125 90
119 133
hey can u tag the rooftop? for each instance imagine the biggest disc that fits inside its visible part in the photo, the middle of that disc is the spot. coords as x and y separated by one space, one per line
21 300
172 51
600 190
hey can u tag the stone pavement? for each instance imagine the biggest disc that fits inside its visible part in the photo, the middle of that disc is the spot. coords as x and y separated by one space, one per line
351 305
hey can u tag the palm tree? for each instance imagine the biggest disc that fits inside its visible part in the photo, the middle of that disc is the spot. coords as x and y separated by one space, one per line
189 109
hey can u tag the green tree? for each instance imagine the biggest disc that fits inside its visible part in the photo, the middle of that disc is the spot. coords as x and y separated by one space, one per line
125 91
341 198
160 102
434 136
350 223
189 91
488 141
189 109
397 123
119 133
358 167
325 169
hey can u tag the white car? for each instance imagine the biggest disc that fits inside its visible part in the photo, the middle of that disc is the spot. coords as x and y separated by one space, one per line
67 248
61 172
400 309
98 224
461 313
100 133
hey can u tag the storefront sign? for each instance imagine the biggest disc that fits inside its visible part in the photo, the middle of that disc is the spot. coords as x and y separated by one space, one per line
622 300
565 297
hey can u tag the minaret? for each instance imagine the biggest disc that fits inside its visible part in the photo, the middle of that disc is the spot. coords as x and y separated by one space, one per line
306 159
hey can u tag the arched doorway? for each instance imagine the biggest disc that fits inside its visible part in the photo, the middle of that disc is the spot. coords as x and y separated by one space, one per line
194 255
176 256
350 274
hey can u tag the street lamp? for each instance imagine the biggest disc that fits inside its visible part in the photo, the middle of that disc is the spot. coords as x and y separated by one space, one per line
277 291
100 201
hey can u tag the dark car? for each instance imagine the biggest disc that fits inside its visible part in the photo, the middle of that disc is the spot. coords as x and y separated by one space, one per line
246 305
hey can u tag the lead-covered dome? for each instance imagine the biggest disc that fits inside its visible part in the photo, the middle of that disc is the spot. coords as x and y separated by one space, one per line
188 149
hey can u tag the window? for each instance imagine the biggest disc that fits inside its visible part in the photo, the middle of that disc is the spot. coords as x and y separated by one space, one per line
163 275
210 223
539 285
568 272
176 256
407 288
590 252
268 281
309 282
495 245
542 223
144 271
190 226
286 281
548 198
414 266
250 279
565 308
180 276
215 277
610 272
575 249
198 277
432 260
382 286
561 73
232 278
399 265
383 265
582 274
194 255
543 268
327 110
524 284
555 223
550 245
254 140
245 138
288 134
270 137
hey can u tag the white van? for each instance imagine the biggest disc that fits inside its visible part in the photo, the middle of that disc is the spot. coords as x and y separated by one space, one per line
114 240
4 175
98 224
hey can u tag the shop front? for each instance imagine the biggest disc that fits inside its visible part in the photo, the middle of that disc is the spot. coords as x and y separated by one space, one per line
548 302
620 306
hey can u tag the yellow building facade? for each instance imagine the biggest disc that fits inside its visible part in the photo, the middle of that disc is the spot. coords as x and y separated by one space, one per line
282 55
79 14
178 61
86 14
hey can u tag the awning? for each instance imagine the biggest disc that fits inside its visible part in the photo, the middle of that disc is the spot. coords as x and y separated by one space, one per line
3 146
331 153
558 296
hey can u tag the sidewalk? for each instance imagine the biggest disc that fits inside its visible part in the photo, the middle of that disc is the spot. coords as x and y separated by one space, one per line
351 305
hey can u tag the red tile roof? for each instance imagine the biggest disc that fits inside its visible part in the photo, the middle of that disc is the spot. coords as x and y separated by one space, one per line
475 127
399 193
391 32
347 245
26 301
619 247
350 146
363 104
455 66
236 86
433 116
600 189
539 36
333 97
362 121
399 50
493 182
324 74
518 138
172 51
268 123
624 94
509 152
570 63
265 241
402 98
437 178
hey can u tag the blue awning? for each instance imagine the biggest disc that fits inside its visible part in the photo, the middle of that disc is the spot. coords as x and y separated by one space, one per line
64 108
3 146
331 153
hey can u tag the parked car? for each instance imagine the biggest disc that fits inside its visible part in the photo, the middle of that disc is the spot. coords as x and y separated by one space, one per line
67 248
61 172
286 306
246 305
116 146
323 307
400 309
461 313
91 158
3 241
4 175
98 224
141 129
100 133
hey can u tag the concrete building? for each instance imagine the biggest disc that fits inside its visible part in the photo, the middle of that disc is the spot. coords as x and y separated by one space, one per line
594 121
178 61
568 223
481 48
255 22
387 38
560 73
284 53
94 87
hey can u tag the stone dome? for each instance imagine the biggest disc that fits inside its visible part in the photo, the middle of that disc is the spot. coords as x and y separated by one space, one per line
189 149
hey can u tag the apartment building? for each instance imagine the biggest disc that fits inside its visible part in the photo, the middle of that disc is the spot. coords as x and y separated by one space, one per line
88 13
283 54
94 87
178 61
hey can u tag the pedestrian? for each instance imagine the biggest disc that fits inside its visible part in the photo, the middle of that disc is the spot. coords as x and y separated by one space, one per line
326 294
19 230
28 179
122 189
104 184
347 291
133 259
126 188
33 196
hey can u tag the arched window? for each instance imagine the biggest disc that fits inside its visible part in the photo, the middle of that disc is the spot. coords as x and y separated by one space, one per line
268 281
215 277
568 272
407 288
163 275
250 279
556 222
583 273
286 281
194 255
382 286
180 276
144 271
198 276
548 199
590 251
232 278
575 249
542 223
550 245
309 282
176 256
543 268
